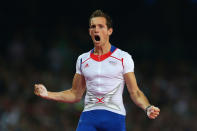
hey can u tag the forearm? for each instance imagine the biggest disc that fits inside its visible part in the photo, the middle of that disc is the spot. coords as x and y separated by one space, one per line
138 96
140 99
67 96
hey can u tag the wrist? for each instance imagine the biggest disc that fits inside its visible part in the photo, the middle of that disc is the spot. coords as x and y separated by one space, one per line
146 109
44 95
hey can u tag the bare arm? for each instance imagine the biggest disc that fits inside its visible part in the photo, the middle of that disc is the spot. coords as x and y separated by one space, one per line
138 96
68 96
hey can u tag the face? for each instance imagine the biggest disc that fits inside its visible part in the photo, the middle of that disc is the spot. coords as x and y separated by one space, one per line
99 31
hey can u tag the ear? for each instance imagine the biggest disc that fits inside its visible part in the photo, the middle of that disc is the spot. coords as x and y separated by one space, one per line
110 31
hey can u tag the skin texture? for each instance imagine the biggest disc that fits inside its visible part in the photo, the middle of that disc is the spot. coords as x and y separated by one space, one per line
72 95
99 28
138 96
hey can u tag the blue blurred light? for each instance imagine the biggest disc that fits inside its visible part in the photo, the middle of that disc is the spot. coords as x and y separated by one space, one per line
194 1
150 2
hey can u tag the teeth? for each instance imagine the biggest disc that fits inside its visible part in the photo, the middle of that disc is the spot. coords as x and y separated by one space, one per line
97 38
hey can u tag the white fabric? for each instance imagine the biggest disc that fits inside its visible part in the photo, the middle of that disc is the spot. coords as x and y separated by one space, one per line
104 80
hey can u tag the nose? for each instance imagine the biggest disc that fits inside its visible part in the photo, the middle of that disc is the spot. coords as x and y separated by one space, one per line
96 29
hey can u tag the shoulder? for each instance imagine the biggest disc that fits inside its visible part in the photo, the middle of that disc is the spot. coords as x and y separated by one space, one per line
84 55
121 53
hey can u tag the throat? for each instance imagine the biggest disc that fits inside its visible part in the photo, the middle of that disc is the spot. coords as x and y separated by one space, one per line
101 50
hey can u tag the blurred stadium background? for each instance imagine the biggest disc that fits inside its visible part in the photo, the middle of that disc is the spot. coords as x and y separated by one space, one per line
41 40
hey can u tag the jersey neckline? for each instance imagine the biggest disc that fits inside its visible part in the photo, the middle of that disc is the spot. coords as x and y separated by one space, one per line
102 57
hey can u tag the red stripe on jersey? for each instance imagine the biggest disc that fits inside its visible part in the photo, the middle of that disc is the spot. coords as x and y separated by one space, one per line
116 58
119 60
122 63
101 57
85 60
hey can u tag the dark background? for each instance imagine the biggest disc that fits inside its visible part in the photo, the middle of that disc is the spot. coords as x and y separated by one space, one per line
41 40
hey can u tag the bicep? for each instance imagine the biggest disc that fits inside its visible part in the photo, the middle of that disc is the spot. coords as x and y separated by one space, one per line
78 85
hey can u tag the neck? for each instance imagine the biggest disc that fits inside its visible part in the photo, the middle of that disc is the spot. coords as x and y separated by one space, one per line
100 50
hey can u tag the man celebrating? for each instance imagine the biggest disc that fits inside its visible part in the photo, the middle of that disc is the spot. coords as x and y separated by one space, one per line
102 73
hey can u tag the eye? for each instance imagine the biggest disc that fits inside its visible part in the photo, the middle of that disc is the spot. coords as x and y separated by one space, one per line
92 26
101 26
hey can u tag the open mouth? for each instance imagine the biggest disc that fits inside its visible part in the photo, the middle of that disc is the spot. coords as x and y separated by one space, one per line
97 38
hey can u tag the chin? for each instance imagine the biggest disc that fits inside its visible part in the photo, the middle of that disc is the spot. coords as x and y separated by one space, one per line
97 43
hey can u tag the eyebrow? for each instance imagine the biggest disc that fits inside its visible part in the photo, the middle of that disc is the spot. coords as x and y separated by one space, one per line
97 24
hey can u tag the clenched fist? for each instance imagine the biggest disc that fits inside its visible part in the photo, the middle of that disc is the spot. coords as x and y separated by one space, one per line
40 90
152 112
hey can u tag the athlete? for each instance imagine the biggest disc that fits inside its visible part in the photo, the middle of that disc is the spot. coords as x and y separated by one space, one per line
102 73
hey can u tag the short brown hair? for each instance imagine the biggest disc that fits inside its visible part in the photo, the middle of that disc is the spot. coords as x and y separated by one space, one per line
100 13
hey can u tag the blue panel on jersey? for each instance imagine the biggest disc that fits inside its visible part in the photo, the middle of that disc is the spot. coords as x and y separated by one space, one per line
112 48
92 51
80 63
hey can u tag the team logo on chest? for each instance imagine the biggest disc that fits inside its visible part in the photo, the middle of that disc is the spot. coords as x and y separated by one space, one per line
112 62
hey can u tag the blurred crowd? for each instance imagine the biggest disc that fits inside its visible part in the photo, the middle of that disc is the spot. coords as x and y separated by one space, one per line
40 42
170 85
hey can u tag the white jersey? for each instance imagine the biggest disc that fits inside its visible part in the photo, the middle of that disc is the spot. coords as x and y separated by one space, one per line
104 79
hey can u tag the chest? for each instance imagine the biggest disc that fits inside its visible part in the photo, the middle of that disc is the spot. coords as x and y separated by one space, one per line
108 68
